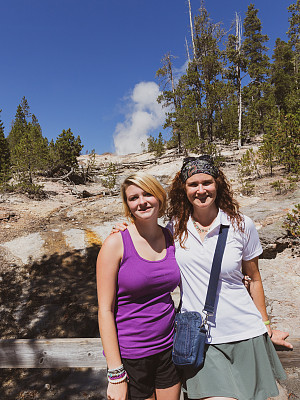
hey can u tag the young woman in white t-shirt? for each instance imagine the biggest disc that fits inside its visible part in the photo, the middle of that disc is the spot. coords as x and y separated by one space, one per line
240 361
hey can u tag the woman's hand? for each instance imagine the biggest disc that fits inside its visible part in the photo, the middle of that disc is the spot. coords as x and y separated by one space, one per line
120 226
278 338
246 282
117 391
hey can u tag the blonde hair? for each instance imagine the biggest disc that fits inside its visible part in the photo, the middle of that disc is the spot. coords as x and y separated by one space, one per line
149 184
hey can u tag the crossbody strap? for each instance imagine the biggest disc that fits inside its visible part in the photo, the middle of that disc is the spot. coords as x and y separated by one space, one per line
215 271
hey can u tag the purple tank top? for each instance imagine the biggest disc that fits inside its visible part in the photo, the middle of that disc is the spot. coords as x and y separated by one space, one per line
144 307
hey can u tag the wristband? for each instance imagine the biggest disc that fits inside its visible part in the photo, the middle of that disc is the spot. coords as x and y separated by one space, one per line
267 322
118 378
117 375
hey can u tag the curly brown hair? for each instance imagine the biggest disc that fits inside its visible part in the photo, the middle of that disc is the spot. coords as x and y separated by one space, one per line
180 209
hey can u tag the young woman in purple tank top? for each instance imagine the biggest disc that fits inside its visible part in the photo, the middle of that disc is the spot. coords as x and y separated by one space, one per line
136 271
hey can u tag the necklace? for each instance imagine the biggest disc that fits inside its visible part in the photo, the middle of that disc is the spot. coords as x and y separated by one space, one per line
200 230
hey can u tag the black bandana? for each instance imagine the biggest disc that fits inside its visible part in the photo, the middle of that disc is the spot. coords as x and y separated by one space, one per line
197 165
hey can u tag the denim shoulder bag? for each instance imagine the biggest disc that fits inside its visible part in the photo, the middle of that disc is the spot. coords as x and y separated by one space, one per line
190 327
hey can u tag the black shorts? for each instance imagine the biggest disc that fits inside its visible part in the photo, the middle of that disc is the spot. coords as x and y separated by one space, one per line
149 373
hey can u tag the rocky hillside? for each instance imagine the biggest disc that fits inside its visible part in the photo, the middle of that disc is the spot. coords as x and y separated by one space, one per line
48 250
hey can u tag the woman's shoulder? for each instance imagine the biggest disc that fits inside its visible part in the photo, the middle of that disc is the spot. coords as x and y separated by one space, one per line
170 226
244 225
111 251
168 232
249 223
113 242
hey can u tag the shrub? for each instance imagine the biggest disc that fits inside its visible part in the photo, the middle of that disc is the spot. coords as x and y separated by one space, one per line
292 222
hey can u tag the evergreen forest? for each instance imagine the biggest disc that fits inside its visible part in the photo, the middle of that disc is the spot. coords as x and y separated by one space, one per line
231 92
26 153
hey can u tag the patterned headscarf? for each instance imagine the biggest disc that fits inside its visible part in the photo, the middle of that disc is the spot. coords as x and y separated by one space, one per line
197 165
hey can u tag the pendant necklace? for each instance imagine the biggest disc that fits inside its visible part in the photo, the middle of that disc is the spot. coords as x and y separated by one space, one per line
200 230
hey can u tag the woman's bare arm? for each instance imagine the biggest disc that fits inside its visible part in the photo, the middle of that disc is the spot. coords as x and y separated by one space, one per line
256 290
107 269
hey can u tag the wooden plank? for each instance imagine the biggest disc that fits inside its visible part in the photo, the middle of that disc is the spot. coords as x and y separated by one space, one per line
85 352
51 353
287 357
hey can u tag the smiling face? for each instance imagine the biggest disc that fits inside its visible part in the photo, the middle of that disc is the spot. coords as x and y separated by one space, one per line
142 204
201 191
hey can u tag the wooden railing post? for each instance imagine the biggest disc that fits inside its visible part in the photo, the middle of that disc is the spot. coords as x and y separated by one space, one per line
83 352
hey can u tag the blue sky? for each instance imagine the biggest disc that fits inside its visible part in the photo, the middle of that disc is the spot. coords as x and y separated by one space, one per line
90 65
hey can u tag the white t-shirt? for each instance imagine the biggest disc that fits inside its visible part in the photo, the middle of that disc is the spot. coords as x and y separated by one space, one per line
236 317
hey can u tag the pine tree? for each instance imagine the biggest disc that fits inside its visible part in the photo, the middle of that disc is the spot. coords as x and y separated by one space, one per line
68 148
209 65
31 153
200 97
4 154
294 32
294 40
18 129
288 142
156 145
268 151
169 98
233 73
28 147
283 77
202 93
257 66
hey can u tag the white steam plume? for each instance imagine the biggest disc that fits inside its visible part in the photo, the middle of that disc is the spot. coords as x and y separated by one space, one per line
145 115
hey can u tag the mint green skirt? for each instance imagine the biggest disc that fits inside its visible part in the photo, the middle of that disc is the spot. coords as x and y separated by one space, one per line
244 370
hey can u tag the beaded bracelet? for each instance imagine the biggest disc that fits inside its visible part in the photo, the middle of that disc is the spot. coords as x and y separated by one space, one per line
117 375
267 322
118 379
116 371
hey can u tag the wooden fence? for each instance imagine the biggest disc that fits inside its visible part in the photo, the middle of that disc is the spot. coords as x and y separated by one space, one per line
86 352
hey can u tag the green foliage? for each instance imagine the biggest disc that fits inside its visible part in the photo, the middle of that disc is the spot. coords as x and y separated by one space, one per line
279 186
247 188
208 102
110 177
156 145
293 179
4 155
200 94
288 142
31 153
90 167
257 66
30 189
294 35
28 147
254 50
282 187
91 160
292 222
19 127
281 143
226 120
268 151
67 148
249 165
283 78
248 169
